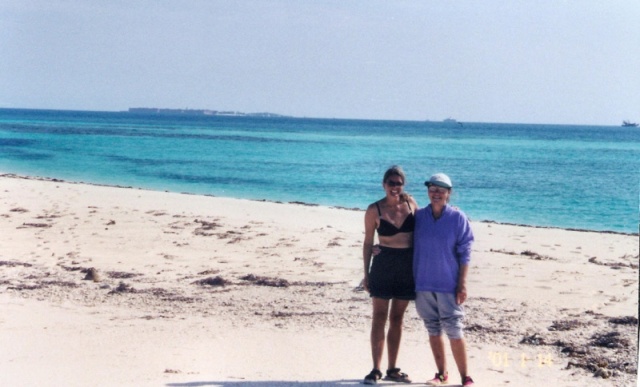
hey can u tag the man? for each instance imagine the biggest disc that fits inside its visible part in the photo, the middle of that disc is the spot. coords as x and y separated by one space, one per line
442 250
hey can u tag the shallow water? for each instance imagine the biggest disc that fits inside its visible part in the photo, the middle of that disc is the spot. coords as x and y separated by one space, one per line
583 177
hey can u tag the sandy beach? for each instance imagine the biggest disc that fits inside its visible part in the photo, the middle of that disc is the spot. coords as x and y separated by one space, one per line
114 286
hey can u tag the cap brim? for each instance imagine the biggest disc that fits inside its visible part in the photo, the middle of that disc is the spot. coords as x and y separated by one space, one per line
436 183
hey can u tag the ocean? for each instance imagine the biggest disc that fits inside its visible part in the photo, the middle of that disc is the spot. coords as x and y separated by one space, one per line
579 177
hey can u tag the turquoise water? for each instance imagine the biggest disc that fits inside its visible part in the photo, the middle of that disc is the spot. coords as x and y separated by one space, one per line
545 175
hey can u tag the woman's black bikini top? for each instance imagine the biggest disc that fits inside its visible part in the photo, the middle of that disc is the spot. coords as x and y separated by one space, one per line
387 228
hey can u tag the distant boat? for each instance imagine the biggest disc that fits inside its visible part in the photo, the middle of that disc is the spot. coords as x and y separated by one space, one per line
451 121
629 124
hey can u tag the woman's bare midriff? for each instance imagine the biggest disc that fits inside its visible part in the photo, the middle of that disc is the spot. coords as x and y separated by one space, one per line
402 240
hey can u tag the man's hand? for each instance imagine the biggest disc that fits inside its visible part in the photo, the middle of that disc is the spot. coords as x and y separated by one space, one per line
461 294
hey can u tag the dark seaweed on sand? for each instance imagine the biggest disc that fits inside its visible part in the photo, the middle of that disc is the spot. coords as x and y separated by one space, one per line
533 340
566 325
14 264
25 287
266 281
609 340
122 274
626 320
123 288
212 281
44 284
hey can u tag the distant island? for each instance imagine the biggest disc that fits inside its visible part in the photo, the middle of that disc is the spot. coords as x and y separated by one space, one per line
199 112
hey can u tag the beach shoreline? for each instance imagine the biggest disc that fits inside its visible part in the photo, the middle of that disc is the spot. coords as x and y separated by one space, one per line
301 203
128 286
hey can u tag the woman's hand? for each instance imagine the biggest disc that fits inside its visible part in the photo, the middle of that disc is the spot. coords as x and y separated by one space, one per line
375 250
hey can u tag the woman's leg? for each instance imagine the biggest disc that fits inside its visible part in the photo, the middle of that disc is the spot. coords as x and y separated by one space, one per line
394 336
379 320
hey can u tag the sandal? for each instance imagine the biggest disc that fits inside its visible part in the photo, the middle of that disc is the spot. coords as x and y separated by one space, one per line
395 375
373 377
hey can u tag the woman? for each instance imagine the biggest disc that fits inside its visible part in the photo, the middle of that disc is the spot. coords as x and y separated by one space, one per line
389 278
442 250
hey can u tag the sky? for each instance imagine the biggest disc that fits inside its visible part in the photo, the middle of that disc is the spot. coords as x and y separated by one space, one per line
546 61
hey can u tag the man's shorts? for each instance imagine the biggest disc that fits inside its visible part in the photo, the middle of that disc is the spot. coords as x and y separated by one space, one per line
439 311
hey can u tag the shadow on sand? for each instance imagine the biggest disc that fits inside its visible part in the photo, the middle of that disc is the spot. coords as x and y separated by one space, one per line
276 383
285 383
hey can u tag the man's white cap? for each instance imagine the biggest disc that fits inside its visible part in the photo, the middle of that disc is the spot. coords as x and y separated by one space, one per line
439 179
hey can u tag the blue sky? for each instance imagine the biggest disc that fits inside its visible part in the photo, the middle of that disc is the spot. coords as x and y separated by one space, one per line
565 62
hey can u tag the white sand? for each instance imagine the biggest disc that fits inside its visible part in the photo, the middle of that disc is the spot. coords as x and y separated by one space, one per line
147 322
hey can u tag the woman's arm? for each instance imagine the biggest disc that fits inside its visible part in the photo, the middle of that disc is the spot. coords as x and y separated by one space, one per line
413 203
370 223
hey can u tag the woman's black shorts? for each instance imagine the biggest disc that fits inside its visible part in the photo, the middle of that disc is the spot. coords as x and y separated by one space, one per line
391 274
